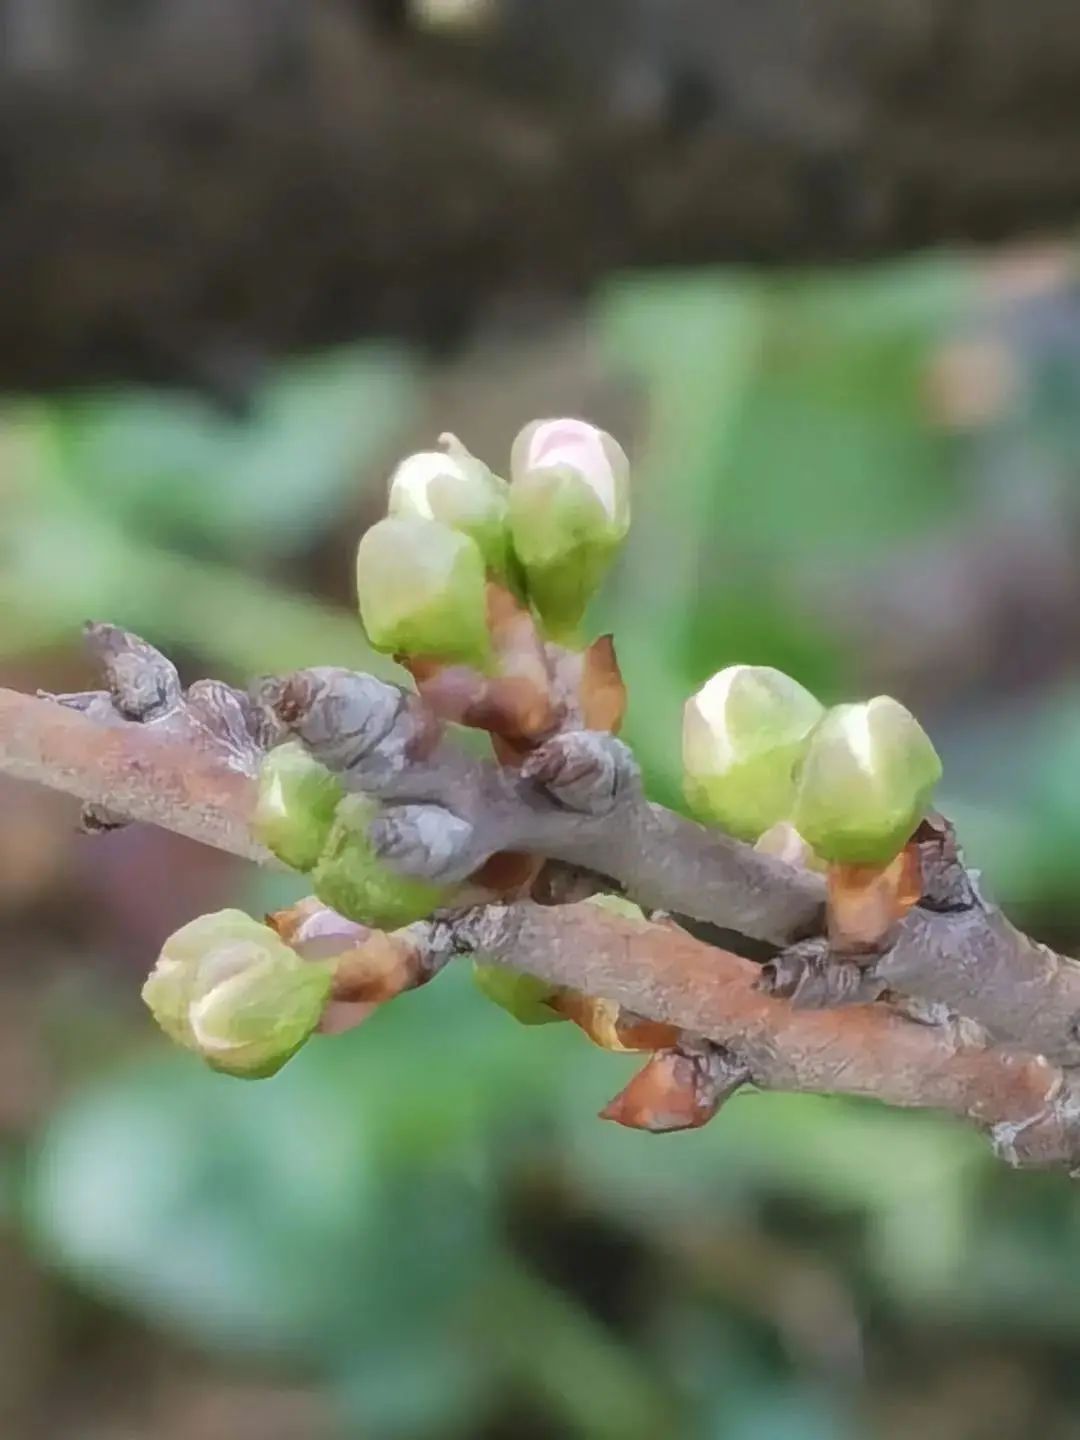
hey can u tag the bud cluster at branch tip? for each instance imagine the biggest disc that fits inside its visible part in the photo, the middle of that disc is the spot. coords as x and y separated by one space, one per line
453 524
764 760
231 990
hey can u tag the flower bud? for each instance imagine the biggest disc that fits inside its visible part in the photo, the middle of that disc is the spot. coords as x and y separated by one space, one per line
522 996
231 990
784 842
421 588
295 807
458 490
744 732
569 512
351 879
865 782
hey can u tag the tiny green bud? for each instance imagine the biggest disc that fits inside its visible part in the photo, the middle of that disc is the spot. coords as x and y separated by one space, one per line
618 905
865 782
569 513
295 806
351 879
457 489
785 842
522 996
421 588
744 733
231 990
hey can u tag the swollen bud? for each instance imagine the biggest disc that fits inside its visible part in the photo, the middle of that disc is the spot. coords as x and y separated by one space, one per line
523 996
295 807
421 588
744 733
569 512
351 878
231 990
455 488
865 782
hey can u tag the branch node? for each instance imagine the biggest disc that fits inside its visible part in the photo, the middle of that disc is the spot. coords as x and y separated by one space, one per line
586 771
425 842
812 978
143 683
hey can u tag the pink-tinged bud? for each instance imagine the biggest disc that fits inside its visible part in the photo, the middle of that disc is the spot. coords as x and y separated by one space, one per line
569 513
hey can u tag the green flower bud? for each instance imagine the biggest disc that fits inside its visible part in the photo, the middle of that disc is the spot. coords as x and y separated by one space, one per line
295 807
351 879
865 782
231 990
522 996
458 490
421 588
569 513
744 733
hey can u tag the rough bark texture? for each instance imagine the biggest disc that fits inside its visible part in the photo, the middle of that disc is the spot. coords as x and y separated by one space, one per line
187 185
146 749
1030 1107
381 740
129 770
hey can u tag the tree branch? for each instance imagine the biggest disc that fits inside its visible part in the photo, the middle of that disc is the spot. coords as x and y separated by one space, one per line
953 948
577 799
1030 1108
188 765
138 771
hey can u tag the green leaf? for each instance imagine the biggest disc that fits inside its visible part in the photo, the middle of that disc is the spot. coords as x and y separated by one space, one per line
172 467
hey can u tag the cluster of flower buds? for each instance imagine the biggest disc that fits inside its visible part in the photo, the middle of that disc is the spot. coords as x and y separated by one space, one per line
548 536
304 817
762 758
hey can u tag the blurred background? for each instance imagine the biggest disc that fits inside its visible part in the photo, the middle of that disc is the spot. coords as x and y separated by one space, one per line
815 268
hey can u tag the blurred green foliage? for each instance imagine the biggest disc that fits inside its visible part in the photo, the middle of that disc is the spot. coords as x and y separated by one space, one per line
145 507
425 1215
